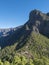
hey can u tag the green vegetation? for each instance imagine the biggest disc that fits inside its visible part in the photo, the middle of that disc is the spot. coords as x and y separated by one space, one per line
22 60
34 52
38 45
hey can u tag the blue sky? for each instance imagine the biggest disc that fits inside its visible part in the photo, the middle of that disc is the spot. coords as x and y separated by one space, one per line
16 12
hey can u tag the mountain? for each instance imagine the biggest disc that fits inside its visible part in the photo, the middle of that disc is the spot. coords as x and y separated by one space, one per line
30 39
8 31
38 22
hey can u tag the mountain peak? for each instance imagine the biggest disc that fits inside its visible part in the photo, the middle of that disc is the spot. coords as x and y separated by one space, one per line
35 11
34 14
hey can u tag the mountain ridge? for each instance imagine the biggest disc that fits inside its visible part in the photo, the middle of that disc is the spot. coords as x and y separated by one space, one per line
38 22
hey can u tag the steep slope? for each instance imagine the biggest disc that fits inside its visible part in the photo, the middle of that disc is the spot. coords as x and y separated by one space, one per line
38 22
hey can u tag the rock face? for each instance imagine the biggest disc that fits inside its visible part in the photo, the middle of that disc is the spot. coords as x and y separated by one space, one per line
39 22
